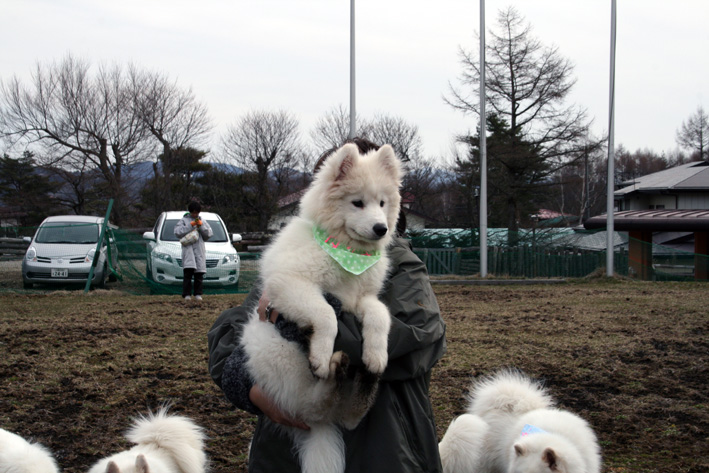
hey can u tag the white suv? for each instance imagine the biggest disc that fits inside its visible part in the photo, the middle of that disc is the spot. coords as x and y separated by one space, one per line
164 263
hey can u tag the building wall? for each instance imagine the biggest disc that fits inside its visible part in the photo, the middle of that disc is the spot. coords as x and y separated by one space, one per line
696 201
688 201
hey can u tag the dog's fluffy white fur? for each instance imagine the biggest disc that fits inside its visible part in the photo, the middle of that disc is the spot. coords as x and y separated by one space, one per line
17 455
489 437
354 198
164 444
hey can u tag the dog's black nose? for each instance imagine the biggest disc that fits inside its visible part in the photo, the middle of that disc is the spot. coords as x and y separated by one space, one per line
380 229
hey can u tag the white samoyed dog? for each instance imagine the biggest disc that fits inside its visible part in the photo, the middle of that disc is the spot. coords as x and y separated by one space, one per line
511 426
337 245
17 455
164 444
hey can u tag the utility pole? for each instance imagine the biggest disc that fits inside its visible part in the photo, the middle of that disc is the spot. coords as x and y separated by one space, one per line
483 149
610 227
353 113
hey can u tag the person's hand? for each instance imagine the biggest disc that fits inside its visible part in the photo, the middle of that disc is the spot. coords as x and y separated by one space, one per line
272 411
262 305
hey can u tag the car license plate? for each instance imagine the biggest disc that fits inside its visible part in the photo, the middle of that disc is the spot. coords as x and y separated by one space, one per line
60 273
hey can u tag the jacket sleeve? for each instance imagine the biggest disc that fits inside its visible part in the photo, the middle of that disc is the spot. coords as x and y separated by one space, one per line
227 360
223 338
182 227
417 335
205 230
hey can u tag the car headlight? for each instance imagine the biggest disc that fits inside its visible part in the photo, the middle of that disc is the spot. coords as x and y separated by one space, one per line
163 256
90 255
230 258
31 254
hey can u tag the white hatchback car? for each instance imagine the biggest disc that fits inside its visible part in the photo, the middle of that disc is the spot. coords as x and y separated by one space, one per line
164 252
63 249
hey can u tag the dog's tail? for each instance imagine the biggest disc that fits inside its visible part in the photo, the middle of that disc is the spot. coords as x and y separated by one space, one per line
462 446
321 449
507 393
178 436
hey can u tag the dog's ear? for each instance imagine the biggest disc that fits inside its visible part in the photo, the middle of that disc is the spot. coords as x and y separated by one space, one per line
520 449
141 464
389 162
112 468
344 160
550 458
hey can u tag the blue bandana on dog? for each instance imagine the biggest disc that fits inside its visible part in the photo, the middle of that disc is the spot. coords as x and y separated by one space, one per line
530 429
353 261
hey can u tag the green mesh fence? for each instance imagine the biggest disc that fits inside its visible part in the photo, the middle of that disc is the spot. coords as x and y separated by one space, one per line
550 253
130 263
668 263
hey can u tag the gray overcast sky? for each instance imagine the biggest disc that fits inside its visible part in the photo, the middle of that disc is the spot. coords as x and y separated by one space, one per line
241 55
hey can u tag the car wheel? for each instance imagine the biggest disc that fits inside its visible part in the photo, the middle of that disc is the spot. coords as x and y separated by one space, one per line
27 285
112 277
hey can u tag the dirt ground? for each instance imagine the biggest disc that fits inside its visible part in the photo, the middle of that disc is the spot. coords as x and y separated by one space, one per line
631 358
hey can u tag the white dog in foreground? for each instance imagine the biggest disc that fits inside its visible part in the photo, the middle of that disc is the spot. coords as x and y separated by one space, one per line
17 455
164 444
337 245
512 427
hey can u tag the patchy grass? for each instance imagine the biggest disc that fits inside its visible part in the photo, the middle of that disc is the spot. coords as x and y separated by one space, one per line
629 357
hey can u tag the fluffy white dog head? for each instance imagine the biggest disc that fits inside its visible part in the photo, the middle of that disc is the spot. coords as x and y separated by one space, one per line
546 453
356 197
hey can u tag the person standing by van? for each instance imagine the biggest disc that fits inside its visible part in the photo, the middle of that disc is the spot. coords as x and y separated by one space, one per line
194 262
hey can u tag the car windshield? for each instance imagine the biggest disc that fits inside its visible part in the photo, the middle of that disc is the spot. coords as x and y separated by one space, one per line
168 231
68 233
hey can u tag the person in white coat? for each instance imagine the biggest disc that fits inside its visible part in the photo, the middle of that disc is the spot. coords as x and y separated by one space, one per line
194 263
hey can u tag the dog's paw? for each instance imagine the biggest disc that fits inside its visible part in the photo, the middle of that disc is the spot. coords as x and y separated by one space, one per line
319 367
375 360
338 364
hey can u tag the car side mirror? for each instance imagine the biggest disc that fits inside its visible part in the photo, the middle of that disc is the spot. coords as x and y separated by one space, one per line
149 236
29 239
236 238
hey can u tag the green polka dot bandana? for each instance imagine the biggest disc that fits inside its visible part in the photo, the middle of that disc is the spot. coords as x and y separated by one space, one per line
353 261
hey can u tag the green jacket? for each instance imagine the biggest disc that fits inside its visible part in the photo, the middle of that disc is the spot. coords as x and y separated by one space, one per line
398 434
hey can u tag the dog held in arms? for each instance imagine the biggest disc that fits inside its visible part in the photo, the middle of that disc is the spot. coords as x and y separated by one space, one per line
336 245
511 426
164 444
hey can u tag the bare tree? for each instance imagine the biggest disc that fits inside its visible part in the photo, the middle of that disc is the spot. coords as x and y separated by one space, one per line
267 146
333 129
402 136
77 118
580 188
175 118
629 166
694 134
422 179
527 86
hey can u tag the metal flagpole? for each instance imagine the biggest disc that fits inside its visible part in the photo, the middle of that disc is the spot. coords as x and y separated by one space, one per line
353 114
483 149
610 228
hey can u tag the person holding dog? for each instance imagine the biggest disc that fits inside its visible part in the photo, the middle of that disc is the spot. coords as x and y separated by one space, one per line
398 434
193 232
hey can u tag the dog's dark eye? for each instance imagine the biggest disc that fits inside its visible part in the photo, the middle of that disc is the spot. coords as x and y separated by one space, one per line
358 203
381 204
